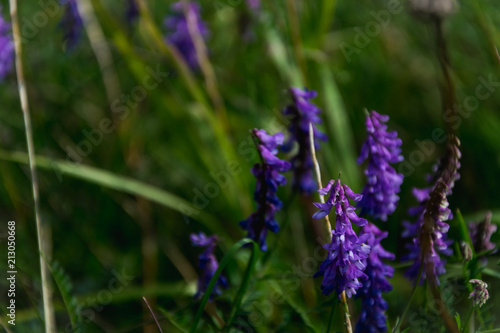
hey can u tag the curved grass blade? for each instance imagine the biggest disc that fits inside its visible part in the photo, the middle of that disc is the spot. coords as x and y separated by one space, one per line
115 182
237 301
65 287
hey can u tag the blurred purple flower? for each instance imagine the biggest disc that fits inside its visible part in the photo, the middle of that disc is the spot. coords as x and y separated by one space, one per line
303 112
6 48
132 11
480 234
429 231
178 32
344 264
268 179
480 293
372 318
208 264
72 24
439 242
381 148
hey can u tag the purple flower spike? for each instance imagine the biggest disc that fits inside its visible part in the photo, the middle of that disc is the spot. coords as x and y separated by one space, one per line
178 32
480 293
372 318
480 234
303 112
344 265
6 48
268 179
208 264
72 24
381 148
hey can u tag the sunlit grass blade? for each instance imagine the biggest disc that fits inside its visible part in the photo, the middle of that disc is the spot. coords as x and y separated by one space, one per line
120 183
229 256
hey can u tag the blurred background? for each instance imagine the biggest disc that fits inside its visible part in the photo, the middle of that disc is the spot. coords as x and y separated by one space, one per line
130 153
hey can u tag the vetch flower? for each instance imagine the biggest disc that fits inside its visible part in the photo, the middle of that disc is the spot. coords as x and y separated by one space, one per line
207 263
382 149
178 32
303 112
372 318
480 234
6 48
343 266
268 179
429 231
72 24
480 293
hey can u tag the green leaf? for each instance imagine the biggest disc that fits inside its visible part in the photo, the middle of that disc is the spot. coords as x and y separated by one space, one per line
457 319
65 288
110 180
172 320
246 278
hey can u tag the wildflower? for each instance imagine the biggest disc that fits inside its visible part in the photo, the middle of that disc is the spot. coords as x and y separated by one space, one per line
344 265
131 12
268 179
466 251
372 318
381 148
208 264
178 33
72 24
429 231
480 294
303 113
480 234
6 48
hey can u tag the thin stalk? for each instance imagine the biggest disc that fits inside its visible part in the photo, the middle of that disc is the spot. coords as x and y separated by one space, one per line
293 16
100 48
152 314
205 66
48 308
328 226
412 295
468 319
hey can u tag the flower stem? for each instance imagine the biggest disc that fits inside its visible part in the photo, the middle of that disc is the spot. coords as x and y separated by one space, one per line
468 319
328 226
41 230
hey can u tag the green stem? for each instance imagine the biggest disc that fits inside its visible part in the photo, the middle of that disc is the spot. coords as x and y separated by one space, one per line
464 327
412 295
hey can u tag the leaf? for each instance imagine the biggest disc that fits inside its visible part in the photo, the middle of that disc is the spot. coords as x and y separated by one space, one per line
65 288
457 319
120 183
239 296
172 320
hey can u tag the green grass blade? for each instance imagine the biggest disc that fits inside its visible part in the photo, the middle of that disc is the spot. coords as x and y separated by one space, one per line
173 321
115 182
229 256
65 288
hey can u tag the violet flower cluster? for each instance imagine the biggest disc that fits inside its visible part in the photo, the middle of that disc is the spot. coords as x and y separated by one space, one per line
72 24
268 179
480 293
303 112
480 234
6 48
344 264
178 33
429 231
381 148
208 264
372 318
439 244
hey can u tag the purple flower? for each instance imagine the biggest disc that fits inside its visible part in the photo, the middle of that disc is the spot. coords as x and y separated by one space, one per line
480 293
208 264
372 318
480 234
131 12
254 5
268 179
178 32
303 112
436 240
429 231
6 48
343 266
72 24
381 148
